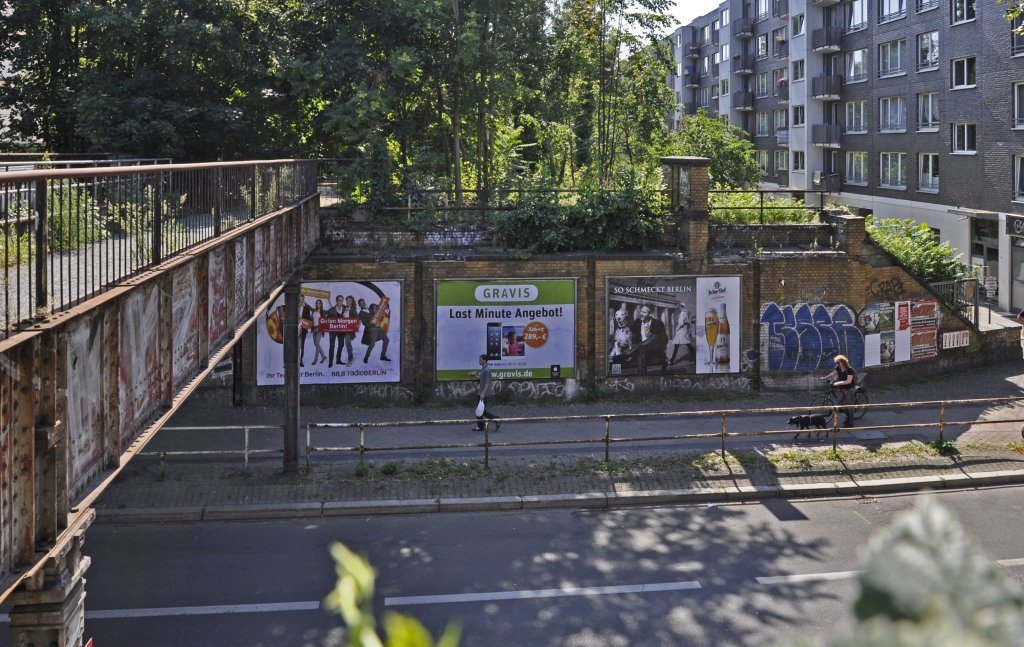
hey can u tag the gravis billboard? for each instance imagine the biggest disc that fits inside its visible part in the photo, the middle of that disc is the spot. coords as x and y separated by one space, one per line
525 327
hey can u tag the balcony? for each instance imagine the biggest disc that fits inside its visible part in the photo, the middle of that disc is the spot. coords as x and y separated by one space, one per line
827 39
826 87
691 80
742 64
688 108
780 8
781 49
691 50
782 91
826 135
743 28
782 137
824 3
743 100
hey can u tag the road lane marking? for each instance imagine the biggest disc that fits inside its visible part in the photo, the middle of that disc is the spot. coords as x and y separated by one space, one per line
1011 562
540 593
160 612
807 577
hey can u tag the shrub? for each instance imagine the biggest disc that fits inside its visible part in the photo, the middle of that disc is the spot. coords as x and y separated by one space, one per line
744 208
916 247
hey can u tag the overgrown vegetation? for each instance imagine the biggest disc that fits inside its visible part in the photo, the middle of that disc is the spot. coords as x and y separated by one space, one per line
749 208
915 246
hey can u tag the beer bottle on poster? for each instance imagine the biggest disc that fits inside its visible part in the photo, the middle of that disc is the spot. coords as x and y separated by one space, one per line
722 344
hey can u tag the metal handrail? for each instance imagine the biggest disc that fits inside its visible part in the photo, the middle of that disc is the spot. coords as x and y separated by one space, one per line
607 439
246 450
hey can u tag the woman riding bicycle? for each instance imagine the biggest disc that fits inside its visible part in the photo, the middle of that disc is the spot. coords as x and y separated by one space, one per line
845 379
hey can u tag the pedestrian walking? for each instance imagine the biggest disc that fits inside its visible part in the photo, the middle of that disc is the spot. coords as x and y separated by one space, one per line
483 389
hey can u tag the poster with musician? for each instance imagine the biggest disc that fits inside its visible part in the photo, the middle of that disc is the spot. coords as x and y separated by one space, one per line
349 333
672 325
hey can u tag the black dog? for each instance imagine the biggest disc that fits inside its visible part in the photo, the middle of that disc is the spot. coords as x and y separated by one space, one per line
818 420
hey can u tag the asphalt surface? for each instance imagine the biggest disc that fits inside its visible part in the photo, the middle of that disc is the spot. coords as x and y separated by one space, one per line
880 454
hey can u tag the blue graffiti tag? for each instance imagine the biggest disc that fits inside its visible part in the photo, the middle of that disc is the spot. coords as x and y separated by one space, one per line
805 337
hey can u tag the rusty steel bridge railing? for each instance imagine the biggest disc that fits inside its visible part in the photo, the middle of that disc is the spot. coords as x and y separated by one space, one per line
69 234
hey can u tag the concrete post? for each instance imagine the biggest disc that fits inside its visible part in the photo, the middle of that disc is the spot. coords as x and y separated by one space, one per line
49 607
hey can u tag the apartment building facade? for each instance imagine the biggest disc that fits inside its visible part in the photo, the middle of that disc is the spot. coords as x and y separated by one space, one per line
901 108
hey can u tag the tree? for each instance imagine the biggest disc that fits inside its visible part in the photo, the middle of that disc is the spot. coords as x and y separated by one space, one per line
732 155
917 248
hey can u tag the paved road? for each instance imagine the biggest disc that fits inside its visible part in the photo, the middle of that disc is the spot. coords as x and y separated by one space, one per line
560 577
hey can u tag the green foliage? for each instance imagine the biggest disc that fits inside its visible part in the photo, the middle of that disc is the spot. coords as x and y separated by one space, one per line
14 247
352 598
744 208
915 246
134 216
732 155
945 447
622 219
926 582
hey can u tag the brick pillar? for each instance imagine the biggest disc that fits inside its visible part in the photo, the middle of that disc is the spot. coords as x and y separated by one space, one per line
688 182
850 233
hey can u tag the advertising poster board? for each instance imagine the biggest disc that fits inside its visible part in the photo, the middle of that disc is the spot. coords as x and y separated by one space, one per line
901 331
334 317
673 325
526 327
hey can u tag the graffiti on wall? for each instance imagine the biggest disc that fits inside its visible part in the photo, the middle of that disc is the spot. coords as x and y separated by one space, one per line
185 323
806 336
242 295
217 316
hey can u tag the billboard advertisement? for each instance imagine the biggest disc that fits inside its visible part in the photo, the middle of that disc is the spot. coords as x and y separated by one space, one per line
349 333
673 325
526 327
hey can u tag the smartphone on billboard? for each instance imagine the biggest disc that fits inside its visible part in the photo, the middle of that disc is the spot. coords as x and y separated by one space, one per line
494 340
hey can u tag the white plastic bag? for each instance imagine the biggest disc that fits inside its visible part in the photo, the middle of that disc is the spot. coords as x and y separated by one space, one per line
480 408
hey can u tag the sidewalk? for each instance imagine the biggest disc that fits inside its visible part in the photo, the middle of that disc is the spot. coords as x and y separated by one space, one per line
203 488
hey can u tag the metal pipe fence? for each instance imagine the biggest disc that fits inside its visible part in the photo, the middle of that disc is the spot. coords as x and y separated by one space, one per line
941 424
69 234
246 450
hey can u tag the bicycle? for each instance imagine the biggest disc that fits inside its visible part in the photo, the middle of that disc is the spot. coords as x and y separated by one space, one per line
824 403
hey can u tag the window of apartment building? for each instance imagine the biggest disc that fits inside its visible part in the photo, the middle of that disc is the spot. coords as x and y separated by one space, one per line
964 72
1018 174
725 86
798 25
761 124
702 97
762 10
781 160
857 65
781 119
725 52
799 161
963 10
893 170
891 9
798 116
762 160
856 167
928 172
1016 36
715 27
716 58
856 117
892 58
761 49
778 77
705 34
856 15
714 91
761 84
892 115
927 5
965 138
779 42
1018 105
704 66
928 111
725 17
798 70
928 51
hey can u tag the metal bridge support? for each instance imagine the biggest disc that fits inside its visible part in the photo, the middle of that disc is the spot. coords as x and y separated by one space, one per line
49 606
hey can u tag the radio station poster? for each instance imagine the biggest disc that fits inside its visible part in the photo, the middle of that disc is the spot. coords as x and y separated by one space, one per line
673 325
349 333
526 327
